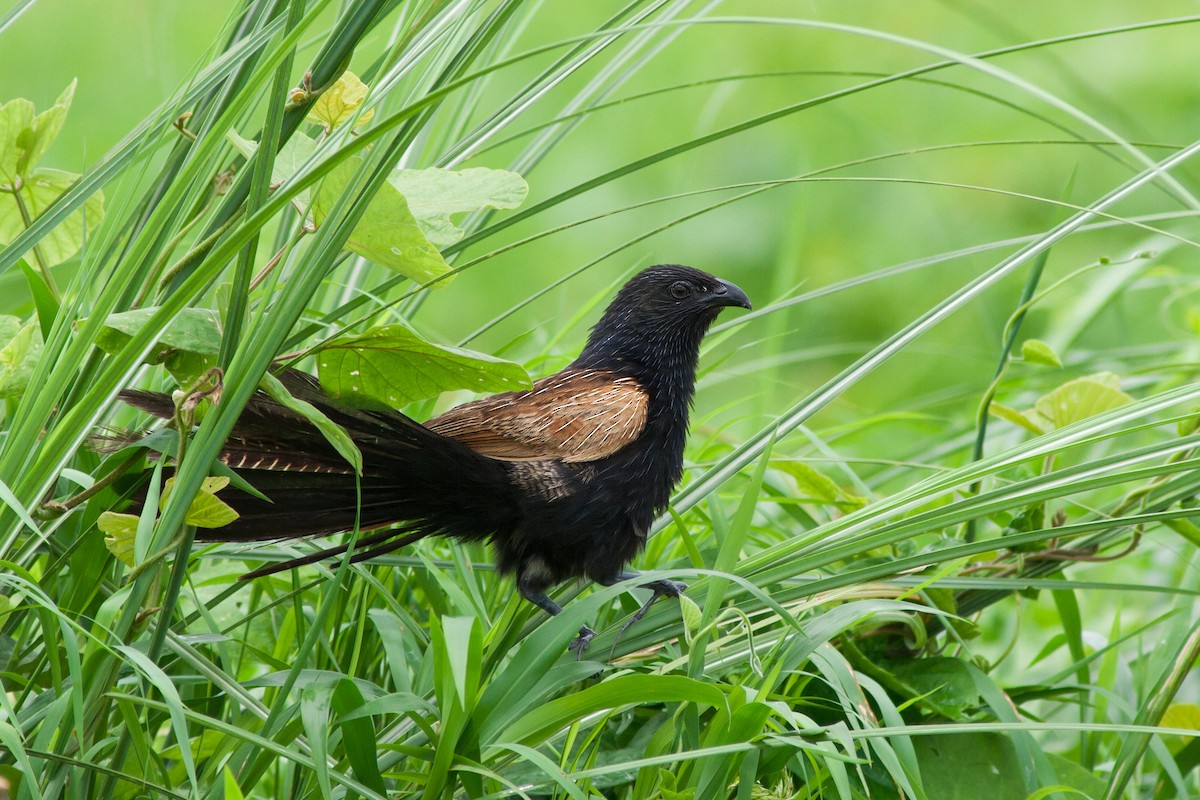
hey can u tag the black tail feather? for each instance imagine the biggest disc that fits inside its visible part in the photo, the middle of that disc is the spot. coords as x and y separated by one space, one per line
424 482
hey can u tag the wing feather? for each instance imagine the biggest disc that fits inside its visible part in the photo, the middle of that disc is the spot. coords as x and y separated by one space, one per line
574 415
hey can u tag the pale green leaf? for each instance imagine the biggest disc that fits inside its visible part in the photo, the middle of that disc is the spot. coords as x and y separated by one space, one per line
294 153
119 532
387 233
232 790
206 510
1035 351
16 138
392 365
1032 423
692 617
815 485
47 125
209 511
434 194
1082 398
18 356
38 190
338 103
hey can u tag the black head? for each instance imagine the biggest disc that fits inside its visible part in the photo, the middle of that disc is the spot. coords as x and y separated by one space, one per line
659 316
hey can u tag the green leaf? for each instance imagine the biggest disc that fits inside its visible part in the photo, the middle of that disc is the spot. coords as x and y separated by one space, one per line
43 299
119 531
232 790
392 365
946 681
18 356
207 510
815 485
692 616
338 103
1080 399
187 347
434 194
968 766
47 125
16 138
1016 418
294 153
197 330
334 434
387 234
1035 351
38 190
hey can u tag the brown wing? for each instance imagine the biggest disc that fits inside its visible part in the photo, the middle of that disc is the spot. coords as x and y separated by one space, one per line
579 415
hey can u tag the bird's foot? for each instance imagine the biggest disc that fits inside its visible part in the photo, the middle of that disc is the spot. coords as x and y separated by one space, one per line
662 588
581 642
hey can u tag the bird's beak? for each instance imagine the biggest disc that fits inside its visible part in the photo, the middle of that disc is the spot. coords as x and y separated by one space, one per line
729 295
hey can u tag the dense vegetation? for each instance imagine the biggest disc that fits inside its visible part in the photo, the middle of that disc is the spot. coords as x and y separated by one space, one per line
937 516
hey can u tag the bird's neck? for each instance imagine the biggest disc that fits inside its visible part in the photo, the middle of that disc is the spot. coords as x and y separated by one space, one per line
663 362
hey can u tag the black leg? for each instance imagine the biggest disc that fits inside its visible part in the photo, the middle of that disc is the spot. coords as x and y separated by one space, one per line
534 594
661 588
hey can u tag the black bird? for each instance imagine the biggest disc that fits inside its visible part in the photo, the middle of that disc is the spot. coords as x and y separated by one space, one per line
563 479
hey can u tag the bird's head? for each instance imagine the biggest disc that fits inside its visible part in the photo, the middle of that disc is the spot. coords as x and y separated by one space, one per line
660 315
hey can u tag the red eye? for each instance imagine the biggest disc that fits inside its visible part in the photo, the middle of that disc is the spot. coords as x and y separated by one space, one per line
680 290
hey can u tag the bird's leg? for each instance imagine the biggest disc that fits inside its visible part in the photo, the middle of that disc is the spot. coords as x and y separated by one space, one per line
531 589
661 588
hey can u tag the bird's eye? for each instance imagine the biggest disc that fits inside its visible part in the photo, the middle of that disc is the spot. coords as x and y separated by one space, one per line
680 290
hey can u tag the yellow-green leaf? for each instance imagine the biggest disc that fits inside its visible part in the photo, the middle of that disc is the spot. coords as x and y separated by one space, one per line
1035 351
38 190
207 510
338 103
1082 398
19 355
815 485
119 531
1016 418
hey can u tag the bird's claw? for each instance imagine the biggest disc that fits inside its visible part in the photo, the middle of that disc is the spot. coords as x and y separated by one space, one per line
662 588
581 642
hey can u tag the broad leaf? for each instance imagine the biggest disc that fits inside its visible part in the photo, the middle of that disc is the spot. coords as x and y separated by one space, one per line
16 138
39 189
434 194
188 346
1079 399
387 234
197 330
294 153
119 532
46 127
18 356
1015 417
392 365
206 510
338 103
1035 351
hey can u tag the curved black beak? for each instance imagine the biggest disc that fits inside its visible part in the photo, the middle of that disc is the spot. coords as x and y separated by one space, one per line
726 294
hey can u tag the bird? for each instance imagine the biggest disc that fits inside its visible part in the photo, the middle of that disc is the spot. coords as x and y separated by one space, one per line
564 479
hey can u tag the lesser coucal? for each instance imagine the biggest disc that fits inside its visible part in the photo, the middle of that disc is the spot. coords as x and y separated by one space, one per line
563 479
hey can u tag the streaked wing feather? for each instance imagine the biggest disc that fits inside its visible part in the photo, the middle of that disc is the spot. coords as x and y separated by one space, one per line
574 415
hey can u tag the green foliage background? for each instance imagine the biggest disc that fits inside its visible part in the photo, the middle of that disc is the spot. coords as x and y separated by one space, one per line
849 548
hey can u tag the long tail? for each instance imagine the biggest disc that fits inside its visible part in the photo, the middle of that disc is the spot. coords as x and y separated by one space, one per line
426 483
